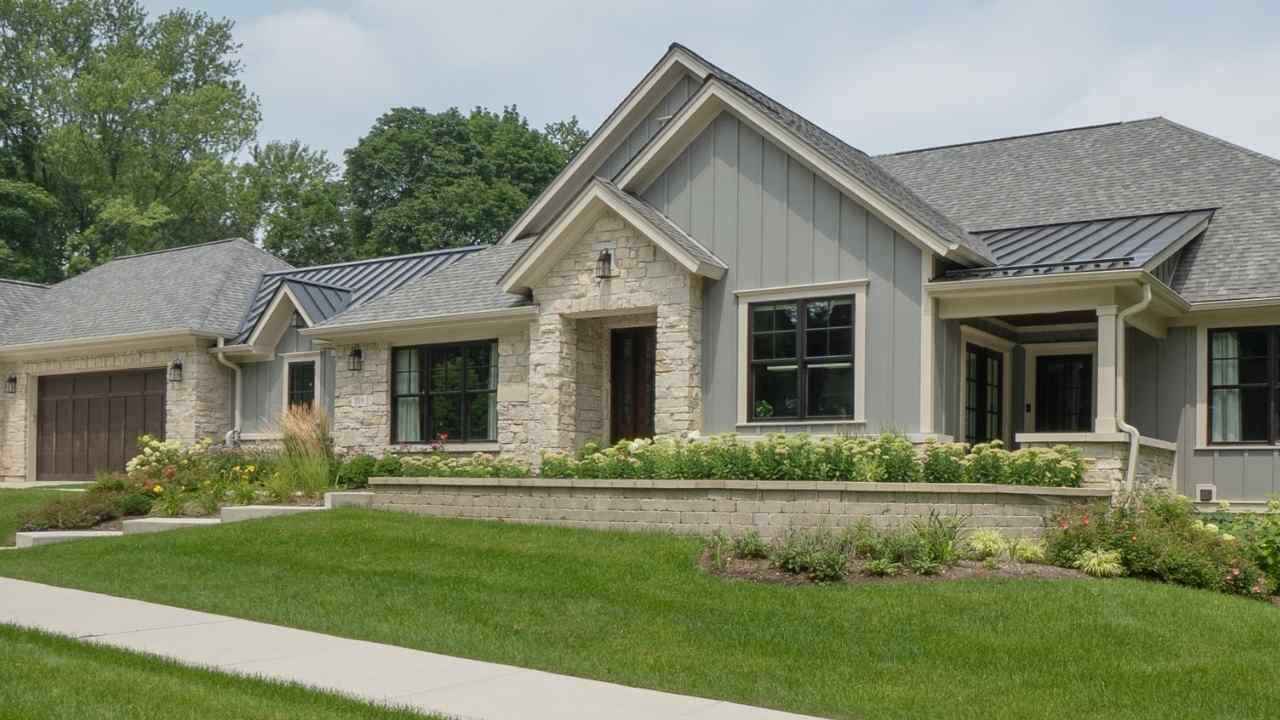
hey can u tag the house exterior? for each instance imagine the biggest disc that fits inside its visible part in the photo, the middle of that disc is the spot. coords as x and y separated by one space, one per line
712 262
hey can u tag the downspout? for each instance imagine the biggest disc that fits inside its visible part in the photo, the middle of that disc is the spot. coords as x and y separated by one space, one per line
1121 333
233 437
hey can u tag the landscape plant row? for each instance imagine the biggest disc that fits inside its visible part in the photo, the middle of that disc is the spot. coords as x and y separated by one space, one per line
887 458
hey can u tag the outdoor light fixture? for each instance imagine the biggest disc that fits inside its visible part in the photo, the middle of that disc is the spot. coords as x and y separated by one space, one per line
175 370
11 384
355 361
604 265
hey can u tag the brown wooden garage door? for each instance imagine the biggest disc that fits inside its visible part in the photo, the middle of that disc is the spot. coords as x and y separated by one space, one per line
91 423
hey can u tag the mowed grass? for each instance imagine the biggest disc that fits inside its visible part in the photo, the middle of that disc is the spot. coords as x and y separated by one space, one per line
48 677
16 503
635 609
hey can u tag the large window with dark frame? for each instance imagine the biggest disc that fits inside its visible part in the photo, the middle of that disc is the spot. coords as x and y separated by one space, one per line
445 392
1244 385
984 394
801 359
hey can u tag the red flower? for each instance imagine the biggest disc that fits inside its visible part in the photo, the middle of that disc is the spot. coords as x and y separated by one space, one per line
1085 521
170 471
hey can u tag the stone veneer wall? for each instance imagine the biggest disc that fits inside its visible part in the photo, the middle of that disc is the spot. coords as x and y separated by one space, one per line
195 408
735 506
565 356
1107 461
362 401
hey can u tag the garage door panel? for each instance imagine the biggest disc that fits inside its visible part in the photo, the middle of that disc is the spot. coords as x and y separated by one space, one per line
90 423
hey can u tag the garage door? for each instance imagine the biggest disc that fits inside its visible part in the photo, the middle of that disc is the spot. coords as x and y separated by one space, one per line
91 423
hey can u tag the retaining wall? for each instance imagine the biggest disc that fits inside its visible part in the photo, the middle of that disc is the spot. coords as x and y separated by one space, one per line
735 506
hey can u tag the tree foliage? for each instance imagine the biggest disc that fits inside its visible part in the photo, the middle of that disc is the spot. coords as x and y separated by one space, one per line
421 180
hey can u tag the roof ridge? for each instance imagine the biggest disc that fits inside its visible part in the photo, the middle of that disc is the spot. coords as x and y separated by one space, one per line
425 253
1108 218
25 283
1019 137
1218 140
221 287
303 281
181 247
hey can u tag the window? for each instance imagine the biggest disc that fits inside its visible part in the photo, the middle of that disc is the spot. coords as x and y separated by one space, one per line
984 394
445 390
302 383
1244 385
801 359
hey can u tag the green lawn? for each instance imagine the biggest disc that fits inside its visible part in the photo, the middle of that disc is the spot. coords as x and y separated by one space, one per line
14 503
48 677
635 609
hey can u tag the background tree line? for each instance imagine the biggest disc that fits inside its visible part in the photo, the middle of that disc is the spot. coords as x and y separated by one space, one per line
121 133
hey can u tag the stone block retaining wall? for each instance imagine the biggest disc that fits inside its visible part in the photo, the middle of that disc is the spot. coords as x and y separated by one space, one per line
1107 460
735 506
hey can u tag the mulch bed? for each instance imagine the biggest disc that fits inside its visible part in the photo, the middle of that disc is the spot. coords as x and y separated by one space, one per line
762 571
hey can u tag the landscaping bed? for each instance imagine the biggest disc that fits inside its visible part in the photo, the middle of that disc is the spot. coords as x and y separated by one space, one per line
761 570
637 609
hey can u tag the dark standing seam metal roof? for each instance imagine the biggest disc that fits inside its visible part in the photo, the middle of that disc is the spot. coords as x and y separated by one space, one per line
1118 170
319 302
854 161
363 280
664 224
201 288
1110 244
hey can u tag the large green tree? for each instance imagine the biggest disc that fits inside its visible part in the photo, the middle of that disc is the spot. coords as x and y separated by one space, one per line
421 180
301 202
130 124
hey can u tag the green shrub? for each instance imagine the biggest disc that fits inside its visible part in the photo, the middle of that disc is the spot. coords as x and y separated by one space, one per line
750 546
813 552
828 565
944 463
1260 534
306 452
355 471
1100 563
987 463
986 543
133 504
388 466
939 536
895 459
926 565
76 511
479 465
1157 536
719 550
1026 550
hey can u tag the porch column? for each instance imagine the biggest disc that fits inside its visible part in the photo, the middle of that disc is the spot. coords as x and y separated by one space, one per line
1105 416
553 368
677 407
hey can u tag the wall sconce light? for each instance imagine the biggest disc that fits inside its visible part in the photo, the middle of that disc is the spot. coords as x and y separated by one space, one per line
11 384
355 361
604 265
175 370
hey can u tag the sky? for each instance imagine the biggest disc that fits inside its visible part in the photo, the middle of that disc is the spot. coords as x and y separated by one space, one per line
884 76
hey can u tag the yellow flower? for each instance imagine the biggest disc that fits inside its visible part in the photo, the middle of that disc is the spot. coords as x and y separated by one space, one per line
158 489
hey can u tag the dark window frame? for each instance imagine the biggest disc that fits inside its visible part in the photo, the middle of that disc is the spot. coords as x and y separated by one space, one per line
980 386
290 393
803 361
424 393
1271 387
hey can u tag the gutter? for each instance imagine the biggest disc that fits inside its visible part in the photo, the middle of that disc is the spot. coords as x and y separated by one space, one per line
1134 436
233 437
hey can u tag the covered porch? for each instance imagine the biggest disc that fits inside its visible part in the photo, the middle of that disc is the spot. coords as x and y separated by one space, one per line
1038 360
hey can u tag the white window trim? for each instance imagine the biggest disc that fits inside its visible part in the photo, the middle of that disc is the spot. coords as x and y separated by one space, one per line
856 288
971 335
302 357
1202 382
1036 350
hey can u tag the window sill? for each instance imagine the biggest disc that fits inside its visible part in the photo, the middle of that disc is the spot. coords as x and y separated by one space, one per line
789 423
470 447
1240 446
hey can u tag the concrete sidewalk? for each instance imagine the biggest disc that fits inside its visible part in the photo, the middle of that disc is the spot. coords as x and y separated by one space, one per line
371 671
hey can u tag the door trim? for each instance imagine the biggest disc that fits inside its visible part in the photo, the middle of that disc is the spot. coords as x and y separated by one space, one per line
1035 351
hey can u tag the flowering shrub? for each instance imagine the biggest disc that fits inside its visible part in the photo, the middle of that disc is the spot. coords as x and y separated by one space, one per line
888 458
478 465
1157 536
165 459
1260 533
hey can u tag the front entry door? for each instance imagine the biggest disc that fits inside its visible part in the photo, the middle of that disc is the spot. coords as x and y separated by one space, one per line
631 376
984 395
1064 393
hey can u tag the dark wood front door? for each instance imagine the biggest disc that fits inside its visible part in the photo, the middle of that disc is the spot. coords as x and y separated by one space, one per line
1064 393
631 377
90 423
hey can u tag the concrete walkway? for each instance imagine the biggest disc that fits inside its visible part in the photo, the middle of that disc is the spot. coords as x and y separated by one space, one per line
381 673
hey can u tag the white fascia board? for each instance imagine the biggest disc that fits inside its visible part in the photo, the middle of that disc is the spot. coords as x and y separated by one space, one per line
715 97
105 343
269 314
642 98
523 312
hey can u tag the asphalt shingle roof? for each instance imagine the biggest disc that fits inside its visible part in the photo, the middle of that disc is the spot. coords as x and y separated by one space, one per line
1123 169
17 297
664 224
468 285
202 288
856 162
